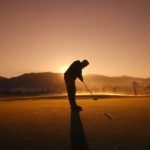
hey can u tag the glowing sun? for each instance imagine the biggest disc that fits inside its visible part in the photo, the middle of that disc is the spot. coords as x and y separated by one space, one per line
63 69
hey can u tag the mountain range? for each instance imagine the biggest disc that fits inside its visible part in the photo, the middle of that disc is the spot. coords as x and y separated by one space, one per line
53 83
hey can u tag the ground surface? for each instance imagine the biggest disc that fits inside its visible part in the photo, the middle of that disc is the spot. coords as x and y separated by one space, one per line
105 124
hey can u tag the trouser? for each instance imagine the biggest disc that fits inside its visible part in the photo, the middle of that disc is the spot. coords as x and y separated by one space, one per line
71 90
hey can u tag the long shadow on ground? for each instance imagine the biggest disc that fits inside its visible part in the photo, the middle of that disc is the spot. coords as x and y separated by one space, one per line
78 139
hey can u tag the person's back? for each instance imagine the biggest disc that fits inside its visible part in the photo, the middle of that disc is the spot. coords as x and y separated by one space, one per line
75 70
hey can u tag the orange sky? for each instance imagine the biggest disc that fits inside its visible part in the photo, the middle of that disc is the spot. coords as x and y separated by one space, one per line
47 35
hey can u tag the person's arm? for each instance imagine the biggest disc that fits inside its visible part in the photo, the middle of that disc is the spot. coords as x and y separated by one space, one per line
80 75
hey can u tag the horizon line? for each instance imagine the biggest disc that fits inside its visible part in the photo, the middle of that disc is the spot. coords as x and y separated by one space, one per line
124 75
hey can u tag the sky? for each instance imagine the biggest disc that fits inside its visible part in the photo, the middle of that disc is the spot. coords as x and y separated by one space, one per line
48 35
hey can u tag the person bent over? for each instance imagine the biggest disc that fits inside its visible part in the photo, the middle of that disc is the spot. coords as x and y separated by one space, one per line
72 73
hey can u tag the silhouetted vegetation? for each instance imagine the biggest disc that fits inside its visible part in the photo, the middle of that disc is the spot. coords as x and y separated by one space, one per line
53 83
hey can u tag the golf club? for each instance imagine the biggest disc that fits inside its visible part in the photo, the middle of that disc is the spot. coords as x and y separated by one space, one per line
94 98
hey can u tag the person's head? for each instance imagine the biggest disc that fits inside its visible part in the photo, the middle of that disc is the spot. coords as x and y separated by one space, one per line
84 63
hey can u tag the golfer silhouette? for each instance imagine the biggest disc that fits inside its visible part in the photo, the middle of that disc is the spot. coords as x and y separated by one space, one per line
72 73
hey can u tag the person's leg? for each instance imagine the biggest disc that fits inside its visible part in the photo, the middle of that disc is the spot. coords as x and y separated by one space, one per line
71 90
71 93
72 99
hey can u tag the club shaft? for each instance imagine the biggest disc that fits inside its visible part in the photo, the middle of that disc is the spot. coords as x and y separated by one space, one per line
88 89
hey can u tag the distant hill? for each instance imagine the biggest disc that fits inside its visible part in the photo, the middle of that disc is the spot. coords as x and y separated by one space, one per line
2 78
121 84
53 83
34 82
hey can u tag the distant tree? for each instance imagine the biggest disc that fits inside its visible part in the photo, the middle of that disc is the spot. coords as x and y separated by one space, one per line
135 84
103 89
147 89
114 89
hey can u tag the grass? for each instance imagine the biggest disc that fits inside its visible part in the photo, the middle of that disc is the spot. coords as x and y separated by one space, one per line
105 124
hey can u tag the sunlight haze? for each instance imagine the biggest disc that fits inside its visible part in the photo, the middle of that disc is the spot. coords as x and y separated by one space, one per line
48 35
